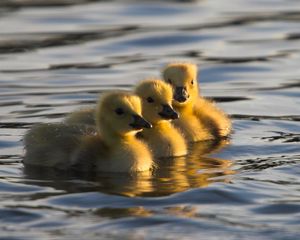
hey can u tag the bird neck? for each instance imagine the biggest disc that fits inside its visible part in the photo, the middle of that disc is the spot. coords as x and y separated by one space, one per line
184 108
111 137
159 126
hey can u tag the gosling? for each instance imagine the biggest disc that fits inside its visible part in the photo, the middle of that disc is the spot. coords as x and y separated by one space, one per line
113 148
200 119
163 138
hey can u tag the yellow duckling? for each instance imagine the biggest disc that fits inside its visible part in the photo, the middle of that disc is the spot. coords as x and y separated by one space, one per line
200 119
163 138
112 148
85 116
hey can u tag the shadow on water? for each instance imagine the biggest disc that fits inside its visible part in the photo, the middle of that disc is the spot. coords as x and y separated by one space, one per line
24 42
36 41
295 118
57 3
259 164
43 3
173 175
284 137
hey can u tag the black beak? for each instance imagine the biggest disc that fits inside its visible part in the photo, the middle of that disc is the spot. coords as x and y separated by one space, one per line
181 94
139 123
168 112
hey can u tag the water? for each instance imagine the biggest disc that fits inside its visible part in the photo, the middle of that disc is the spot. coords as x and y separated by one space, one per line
57 56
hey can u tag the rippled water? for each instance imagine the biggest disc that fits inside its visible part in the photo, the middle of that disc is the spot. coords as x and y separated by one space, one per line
57 56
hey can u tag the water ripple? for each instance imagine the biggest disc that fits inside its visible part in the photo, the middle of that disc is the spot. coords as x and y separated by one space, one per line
58 56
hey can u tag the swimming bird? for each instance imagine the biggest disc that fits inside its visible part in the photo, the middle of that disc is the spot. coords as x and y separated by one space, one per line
85 117
163 138
112 148
200 119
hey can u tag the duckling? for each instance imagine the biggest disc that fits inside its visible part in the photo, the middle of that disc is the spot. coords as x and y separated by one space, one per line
200 119
163 138
85 116
112 148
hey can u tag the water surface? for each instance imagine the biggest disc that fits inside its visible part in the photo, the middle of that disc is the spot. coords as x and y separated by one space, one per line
58 56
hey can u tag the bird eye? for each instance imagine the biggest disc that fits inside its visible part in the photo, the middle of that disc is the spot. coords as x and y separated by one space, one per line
192 82
119 111
169 81
150 100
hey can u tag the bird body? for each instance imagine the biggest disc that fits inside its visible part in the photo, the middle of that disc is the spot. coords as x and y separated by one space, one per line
200 119
216 119
112 148
163 138
193 125
84 116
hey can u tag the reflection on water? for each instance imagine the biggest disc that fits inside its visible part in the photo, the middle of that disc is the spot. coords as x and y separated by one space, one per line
59 55
171 176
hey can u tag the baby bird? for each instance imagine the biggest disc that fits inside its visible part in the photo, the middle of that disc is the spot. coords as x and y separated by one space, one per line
200 119
163 138
112 148
85 117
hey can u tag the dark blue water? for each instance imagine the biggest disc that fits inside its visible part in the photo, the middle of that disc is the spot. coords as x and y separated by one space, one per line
57 56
